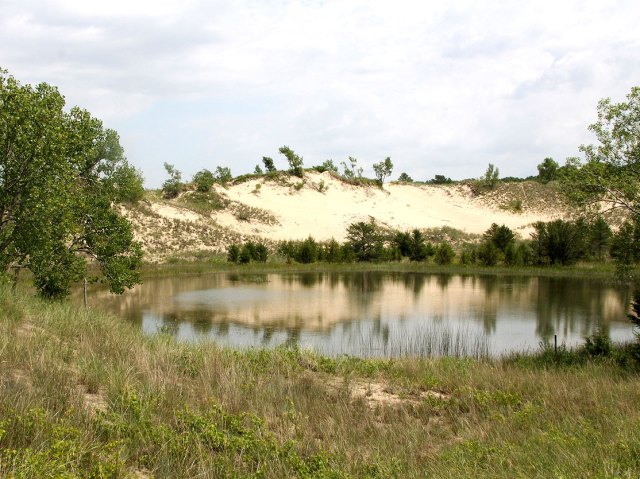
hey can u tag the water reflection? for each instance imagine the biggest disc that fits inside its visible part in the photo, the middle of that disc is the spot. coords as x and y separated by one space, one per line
371 313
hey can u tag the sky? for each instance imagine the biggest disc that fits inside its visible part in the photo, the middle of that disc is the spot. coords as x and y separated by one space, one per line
441 87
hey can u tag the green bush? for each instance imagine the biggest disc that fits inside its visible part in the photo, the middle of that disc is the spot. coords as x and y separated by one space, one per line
203 181
444 254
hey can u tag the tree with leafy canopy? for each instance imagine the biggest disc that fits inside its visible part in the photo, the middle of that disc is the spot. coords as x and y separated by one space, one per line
405 178
548 170
490 177
203 180
223 175
365 239
383 169
172 187
610 174
295 161
61 173
269 167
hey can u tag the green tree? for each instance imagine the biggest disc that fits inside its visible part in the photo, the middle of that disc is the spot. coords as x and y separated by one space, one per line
501 236
548 170
233 253
383 169
61 173
444 254
223 175
365 240
295 161
172 187
490 177
441 180
599 238
610 172
203 180
351 171
405 178
307 251
268 164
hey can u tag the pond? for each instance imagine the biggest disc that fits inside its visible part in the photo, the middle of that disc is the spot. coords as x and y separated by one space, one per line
374 314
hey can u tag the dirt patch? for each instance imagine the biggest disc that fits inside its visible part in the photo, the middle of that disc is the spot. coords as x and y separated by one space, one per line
379 394
93 401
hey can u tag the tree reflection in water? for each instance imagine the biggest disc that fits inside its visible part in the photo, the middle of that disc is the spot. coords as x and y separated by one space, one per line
334 311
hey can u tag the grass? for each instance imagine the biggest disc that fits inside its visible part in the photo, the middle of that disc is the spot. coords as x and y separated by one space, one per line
83 394
210 262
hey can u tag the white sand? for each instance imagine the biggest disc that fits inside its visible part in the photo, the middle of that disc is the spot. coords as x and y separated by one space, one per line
326 215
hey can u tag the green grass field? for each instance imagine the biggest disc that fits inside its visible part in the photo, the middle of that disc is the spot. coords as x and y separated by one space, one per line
83 394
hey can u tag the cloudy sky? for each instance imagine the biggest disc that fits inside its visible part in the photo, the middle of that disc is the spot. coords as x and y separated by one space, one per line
442 87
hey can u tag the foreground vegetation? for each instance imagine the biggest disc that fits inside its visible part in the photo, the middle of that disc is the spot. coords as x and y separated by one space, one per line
82 394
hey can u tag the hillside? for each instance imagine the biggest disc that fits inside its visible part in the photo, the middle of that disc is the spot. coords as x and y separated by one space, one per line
323 206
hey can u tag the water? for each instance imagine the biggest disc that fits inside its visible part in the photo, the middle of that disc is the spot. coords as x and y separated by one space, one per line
376 314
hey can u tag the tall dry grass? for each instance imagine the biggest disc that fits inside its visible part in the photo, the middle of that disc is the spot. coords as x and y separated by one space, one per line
82 394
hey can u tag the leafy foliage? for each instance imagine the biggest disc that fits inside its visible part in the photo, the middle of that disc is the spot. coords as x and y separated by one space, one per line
383 169
548 170
268 164
223 175
444 254
610 173
405 178
60 174
203 180
366 240
440 180
490 177
351 171
172 187
295 161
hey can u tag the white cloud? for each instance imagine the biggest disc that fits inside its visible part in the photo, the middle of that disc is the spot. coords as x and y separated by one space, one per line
442 87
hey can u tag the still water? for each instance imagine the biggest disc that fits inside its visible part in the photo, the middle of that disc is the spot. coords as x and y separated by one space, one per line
376 314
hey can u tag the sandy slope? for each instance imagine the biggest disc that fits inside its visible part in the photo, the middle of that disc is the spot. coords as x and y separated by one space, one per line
324 206
401 206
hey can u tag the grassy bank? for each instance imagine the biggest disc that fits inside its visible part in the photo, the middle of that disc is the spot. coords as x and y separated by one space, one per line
219 264
82 394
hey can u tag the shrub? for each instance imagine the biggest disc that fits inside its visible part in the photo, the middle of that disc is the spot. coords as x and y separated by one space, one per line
203 181
444 254
233 253
295 161
223 175
488 253
469 254
172 187
598 345
490 178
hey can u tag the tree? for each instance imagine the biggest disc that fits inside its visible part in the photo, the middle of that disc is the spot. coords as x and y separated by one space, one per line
548 170
233 253
444 254
383 169
172 187
257 170
223 175
268 164
365 240
610 174
351 171
203 180
441 180
501 236
405 178
61 172
295 161
490 177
